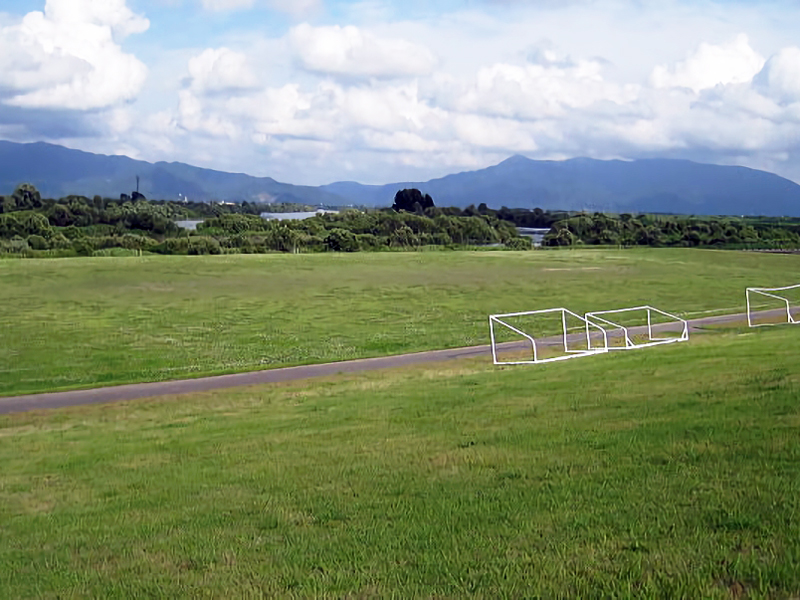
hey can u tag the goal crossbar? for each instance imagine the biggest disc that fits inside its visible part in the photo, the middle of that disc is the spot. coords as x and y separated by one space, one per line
768 293
601 321
565 337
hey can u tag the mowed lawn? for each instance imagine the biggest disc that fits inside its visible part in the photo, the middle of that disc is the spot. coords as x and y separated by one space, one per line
669 472
85 322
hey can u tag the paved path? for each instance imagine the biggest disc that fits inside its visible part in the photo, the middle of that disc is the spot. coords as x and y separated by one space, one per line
134 391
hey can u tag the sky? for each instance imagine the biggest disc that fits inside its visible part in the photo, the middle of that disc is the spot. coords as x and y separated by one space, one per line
380 91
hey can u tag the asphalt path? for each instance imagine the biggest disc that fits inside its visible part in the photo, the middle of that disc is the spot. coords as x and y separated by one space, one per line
121 393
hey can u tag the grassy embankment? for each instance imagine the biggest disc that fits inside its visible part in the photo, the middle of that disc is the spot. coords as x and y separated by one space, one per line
85 322
668 472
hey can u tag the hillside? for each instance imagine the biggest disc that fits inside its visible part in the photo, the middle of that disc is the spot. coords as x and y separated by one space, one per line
651 185
57 171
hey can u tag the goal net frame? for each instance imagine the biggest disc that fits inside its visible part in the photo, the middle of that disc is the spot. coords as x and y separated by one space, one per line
790 320
595 318
497 320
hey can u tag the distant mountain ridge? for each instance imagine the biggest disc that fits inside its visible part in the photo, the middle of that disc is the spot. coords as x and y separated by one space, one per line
57 172
648 185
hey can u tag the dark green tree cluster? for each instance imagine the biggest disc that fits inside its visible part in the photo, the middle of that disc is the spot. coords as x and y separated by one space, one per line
412 200
33 226
79 225
352 231
661 230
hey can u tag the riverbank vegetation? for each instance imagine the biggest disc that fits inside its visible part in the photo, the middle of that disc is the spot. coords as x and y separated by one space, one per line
31 226
76 225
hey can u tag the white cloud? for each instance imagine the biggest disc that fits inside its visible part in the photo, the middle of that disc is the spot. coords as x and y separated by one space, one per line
296 8
112 13
709 65
353 52
223 5
220 69
67 58
780 77
535 91
193 117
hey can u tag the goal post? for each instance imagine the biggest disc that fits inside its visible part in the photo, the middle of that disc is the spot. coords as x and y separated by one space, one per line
652 324
565 340
786 296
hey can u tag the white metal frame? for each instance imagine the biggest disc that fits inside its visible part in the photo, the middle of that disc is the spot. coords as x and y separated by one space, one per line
498 320
595 319
766 292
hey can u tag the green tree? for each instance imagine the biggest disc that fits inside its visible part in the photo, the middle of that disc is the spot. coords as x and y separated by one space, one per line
341 240
27 197
408 200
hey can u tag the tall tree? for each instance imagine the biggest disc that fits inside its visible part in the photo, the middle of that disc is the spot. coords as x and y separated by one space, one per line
411 200
27 197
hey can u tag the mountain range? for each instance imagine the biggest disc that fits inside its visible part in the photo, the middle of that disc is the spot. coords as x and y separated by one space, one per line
649 185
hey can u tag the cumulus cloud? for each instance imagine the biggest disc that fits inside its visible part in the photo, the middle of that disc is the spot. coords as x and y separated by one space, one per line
193 117
710 65
352 52
780 77
68 57
535 91
220 69
111 13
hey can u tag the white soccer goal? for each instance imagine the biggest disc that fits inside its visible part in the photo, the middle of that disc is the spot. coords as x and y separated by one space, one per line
639 327
772 306
550 335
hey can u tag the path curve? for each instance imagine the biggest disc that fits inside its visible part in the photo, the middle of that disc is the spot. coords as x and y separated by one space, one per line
134 391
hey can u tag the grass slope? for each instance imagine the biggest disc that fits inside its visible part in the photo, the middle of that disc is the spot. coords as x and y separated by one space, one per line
669 472
85 322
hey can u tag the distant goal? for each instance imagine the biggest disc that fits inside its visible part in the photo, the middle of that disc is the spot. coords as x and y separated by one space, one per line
543 336
772 306
639 327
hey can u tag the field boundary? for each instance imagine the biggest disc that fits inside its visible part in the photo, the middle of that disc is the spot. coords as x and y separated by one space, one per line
136 391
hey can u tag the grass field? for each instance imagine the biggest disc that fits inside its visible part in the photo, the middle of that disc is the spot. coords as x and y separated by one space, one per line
85 322
670 472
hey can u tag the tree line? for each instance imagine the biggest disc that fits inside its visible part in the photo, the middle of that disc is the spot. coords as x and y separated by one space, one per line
34 226
668 230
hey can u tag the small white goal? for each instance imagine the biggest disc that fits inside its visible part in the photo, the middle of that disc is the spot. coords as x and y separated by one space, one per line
639 327
772 306
549 335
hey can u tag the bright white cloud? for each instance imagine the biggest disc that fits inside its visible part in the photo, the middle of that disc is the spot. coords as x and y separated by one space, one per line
193 117
735 62
352 52
104 13
780 78
220 69
67 57
534 91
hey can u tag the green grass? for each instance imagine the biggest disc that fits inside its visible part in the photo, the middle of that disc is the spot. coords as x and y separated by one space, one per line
85 322
670 472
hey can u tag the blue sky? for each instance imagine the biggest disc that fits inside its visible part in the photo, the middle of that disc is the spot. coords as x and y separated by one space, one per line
315 91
